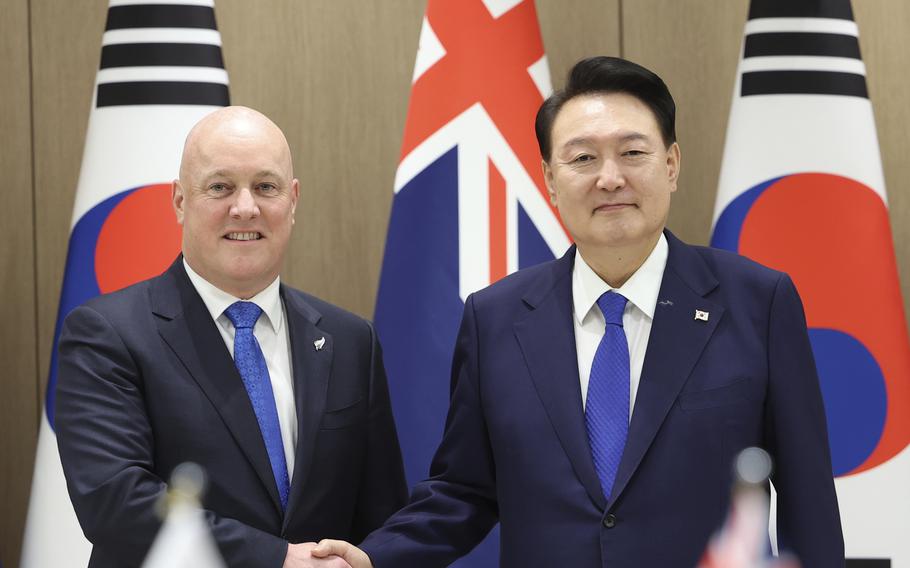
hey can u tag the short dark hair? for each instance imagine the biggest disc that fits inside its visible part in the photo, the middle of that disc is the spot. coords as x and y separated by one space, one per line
601 75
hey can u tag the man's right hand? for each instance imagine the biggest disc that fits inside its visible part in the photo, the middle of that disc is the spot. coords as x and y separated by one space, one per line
299 556
355 557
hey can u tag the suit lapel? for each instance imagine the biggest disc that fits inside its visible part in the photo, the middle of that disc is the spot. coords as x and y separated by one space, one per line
676 342
187 327
312 368
547 339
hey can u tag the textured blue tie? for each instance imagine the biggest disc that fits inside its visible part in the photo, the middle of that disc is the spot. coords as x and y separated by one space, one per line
255 374
607 404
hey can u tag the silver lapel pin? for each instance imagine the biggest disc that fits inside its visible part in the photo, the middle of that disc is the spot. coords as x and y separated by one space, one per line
319 343
665 303
700 315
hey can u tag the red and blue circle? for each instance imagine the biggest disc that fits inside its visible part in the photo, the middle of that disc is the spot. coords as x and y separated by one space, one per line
128 237
832 235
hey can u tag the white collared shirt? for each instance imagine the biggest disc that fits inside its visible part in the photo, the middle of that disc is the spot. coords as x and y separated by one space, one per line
641 290
272 335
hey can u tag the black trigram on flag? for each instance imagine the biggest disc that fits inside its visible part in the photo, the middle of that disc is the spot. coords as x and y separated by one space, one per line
814 45
162 54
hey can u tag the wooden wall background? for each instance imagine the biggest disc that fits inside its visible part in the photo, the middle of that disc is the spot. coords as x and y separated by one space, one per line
335 74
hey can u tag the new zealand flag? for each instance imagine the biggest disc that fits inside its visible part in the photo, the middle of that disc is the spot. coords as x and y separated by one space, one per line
470 203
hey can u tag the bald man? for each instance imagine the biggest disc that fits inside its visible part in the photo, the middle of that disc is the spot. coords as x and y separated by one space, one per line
279 396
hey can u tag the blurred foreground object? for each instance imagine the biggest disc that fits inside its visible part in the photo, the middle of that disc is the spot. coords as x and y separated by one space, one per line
184 540
742 543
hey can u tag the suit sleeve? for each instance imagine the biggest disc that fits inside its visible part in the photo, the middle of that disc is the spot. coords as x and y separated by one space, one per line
808 521
107 450
451 511
383 489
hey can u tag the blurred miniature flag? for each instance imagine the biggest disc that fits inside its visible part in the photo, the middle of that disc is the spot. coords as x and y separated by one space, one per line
802 190
470 203
161 71
743 541
184 540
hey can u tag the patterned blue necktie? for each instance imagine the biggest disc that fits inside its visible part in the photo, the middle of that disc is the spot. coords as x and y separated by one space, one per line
607 405
255 374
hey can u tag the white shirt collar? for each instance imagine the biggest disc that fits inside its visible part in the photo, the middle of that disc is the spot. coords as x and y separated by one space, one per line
641 289
217 300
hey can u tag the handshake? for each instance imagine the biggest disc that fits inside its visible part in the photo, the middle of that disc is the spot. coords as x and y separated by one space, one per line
326 554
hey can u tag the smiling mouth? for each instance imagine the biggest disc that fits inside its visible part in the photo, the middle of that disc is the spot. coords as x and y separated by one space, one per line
612 206
248 236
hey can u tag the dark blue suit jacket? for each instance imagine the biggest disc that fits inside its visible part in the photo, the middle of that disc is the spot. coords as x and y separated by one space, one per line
515 447
146 382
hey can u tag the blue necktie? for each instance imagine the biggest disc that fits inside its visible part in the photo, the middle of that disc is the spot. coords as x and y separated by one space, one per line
255 374
607 404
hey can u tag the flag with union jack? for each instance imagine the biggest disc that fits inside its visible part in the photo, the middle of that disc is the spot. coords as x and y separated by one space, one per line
470 203
161 71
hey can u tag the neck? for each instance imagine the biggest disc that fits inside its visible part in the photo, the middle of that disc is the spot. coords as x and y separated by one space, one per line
239 289
615 265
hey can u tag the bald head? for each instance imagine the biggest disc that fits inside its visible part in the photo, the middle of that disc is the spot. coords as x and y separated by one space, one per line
236 197
234 125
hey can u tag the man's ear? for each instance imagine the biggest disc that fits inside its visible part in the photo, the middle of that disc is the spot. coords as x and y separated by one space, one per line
673 164
177 199
548 180
295 195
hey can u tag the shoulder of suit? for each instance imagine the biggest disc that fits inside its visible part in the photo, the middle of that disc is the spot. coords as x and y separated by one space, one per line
122 298
726 264
327 310
515 285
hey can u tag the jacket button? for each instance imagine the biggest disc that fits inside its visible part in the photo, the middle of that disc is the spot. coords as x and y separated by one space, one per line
610 521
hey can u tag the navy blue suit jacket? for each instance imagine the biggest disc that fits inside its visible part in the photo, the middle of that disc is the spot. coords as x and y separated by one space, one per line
146 382
515 447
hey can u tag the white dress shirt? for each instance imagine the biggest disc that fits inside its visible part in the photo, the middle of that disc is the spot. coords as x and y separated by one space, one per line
641 290
272 335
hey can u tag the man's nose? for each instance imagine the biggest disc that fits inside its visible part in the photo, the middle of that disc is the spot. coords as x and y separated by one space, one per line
610 177
244 206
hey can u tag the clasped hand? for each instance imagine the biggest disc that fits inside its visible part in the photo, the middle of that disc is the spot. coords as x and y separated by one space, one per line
327 554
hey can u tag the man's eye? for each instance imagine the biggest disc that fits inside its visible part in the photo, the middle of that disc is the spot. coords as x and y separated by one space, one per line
634 153
267 187
583 158
218 187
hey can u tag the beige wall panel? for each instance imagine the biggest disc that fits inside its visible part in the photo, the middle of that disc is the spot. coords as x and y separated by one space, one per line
66 49
694 47
19 402
590 27
885 46
336 77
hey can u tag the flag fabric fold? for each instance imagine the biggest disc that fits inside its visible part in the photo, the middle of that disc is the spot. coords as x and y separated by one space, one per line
470 203
802 190
161 70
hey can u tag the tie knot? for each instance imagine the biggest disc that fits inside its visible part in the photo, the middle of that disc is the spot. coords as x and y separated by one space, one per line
243 314
612 305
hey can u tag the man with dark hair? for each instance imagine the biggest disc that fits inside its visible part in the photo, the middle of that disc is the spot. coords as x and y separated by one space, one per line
598 400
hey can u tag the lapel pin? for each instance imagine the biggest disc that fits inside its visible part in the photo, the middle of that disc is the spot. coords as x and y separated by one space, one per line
665 303
319 343
700 315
